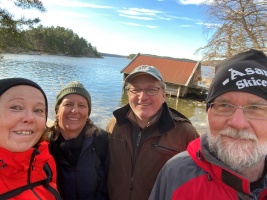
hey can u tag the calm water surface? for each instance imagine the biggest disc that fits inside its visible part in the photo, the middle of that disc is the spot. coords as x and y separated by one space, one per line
101 77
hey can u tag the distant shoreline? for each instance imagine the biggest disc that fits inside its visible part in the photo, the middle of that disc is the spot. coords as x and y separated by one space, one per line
36 52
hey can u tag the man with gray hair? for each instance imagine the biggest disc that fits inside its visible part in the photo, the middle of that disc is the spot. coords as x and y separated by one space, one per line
144 134
229 160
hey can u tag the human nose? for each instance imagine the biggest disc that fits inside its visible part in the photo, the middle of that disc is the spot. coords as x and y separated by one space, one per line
241 108
28 117
75 109
143 93
238 118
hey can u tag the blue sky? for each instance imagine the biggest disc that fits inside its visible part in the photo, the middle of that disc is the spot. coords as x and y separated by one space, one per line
171 28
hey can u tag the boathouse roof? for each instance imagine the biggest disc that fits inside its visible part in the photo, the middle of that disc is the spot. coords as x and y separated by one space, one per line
174 71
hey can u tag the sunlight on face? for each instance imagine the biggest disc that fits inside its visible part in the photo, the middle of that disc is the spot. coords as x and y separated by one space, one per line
22 118
144 106
72 115
239 149
238 141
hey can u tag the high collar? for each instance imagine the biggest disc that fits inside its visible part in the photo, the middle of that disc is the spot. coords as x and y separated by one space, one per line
165 121
199 151
16 162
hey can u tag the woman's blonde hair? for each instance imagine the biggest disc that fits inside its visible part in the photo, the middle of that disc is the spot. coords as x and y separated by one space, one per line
52 133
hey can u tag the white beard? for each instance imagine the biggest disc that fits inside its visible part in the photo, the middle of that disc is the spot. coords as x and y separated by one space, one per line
241 151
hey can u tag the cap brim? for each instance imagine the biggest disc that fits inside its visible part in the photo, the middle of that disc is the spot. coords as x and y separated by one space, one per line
131 76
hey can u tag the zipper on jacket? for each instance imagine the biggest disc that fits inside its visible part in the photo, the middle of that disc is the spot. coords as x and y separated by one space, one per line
131 185
163 147
138 139
136 152
76 182
199 155
31 167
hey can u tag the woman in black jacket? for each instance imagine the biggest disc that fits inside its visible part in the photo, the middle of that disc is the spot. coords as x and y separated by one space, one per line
78 146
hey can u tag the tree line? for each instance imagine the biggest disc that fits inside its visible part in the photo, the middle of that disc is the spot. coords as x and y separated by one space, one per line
59 40
51 40
20 35
231 26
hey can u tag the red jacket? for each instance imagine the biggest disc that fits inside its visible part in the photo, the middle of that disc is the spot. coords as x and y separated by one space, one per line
16 167
197 174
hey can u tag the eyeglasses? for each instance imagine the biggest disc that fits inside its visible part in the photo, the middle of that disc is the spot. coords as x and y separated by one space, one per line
251 111
149 91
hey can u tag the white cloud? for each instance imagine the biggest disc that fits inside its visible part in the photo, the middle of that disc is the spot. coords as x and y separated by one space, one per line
209 25
146 11
164 18
136 17
183 18
69 3
141 13
135 24
194 2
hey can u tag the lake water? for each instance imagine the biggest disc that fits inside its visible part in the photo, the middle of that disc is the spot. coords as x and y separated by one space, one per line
101 77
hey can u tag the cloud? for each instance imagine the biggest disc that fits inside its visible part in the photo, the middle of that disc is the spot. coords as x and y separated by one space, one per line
151 26
147 14
146 11
183 18
194 2
165 18
69 3
140 25
209 25
136 17
141 13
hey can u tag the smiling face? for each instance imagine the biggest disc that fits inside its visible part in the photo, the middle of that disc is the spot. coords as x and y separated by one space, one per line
145 107
238 141
72 115
22 118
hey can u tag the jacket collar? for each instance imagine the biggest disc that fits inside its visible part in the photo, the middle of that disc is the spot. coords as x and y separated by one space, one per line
165 120
199 151
16 162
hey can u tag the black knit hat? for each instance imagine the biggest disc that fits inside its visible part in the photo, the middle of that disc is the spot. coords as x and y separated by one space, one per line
73 87
245 72
7 83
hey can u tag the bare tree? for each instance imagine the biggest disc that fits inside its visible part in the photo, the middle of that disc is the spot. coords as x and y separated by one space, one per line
238 25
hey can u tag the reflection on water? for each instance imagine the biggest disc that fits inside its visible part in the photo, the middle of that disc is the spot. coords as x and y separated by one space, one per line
101 77
194 110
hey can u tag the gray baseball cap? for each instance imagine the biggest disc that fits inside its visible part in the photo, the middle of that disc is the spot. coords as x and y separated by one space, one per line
144 69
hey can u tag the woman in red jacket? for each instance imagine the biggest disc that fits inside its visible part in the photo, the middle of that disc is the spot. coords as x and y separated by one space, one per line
27 170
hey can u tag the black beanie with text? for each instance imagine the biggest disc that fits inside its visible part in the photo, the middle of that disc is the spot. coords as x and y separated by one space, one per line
244 72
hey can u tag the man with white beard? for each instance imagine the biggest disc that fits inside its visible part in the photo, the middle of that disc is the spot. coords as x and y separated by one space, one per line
229 160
